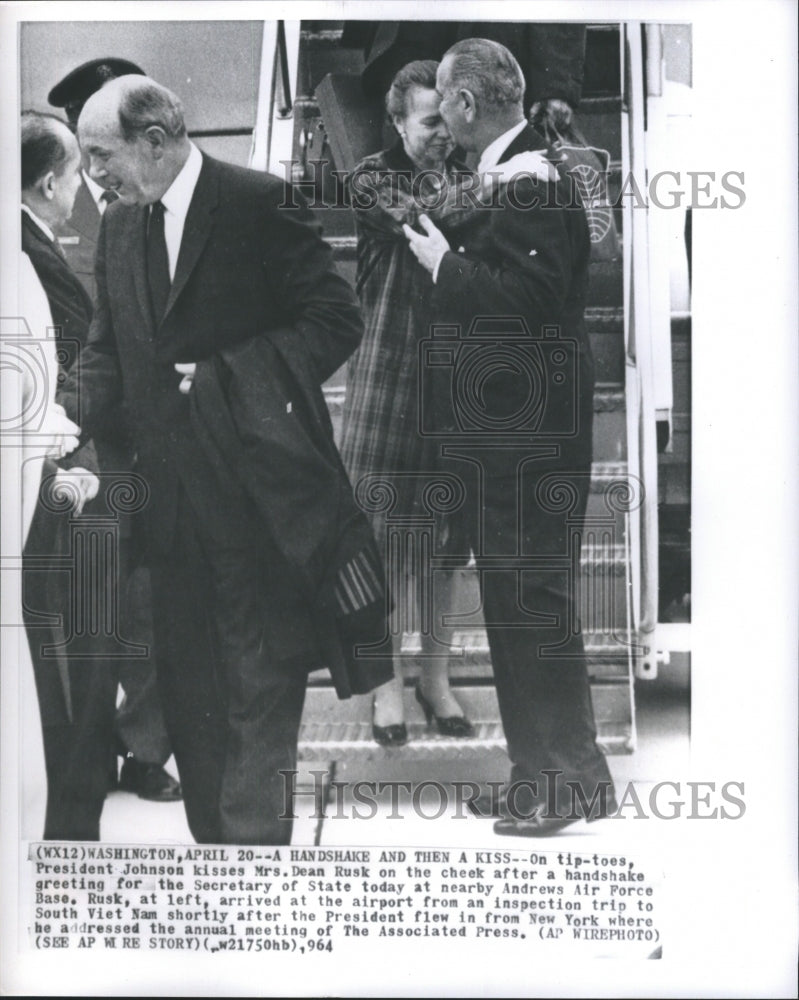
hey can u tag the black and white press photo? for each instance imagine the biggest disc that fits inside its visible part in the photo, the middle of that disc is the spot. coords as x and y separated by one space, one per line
392 466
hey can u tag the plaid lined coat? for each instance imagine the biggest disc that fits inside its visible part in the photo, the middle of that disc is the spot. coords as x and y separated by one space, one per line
380 434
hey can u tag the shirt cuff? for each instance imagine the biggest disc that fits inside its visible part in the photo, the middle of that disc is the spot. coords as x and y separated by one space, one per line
438 265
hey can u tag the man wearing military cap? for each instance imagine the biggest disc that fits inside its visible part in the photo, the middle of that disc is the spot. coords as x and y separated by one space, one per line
78 86
141 736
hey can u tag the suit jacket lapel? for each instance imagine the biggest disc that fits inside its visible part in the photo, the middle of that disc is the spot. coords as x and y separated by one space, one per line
196 230
32 234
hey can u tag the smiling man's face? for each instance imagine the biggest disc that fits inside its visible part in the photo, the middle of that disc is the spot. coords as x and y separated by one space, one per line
131 168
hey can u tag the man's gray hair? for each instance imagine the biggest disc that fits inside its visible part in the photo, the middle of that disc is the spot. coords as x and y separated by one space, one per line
146 104
487 69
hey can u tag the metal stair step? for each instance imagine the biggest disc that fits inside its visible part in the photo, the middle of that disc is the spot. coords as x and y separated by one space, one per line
314 36
606 655
341 731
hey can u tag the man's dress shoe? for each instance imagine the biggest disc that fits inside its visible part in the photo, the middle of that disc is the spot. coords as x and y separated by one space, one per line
539 825
488 804
148 781
543 824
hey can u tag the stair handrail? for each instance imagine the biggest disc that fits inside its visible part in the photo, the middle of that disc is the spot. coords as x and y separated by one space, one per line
273 133
639 370
284 100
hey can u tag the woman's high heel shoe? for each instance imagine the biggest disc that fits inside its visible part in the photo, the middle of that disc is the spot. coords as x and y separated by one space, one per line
390 736
395 735
451 725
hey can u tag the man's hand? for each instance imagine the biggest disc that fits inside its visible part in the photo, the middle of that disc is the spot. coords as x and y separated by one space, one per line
187 371
77 486
63 433
429 249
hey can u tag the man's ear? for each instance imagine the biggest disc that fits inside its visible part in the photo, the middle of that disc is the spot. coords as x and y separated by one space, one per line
45 186
156 139
467 104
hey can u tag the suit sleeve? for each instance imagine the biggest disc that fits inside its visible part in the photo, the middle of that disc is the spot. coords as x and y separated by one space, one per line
84 457
527 270
322 308
94 383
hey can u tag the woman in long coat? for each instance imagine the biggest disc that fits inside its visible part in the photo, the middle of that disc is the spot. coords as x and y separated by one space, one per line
391 464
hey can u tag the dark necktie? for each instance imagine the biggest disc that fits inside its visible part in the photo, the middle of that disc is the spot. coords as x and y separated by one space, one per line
157 262
109 197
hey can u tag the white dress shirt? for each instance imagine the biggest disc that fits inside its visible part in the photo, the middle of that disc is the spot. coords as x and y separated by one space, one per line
96 191
494 150
176 203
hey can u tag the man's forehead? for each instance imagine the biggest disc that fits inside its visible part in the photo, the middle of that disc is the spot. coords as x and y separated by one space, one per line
94 131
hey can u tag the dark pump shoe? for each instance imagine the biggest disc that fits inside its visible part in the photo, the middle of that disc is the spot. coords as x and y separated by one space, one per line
451 725
390 736
148 781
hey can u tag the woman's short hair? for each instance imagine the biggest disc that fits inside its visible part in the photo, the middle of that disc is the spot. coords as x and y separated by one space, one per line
421 73
487 69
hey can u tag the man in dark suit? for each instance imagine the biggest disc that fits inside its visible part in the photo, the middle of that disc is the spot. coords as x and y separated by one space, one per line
49 182
195 257
140 737
75 688
516 292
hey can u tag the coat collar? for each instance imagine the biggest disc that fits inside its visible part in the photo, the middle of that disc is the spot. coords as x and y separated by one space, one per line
528 139
36 232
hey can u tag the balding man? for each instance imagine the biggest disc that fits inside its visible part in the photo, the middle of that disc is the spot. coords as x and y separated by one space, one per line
75 688
196 258
517 291
140 737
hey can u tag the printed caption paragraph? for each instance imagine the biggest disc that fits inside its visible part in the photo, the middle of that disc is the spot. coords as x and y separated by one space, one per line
302 900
